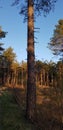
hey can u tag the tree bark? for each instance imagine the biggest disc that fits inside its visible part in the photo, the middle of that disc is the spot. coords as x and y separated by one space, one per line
31 82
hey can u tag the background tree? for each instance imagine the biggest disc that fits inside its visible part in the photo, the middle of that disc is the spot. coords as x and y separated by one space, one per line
29 9
14 73
56 42
2 58
2 33
59 68
10 58
1 48
39 71
10 55
52 74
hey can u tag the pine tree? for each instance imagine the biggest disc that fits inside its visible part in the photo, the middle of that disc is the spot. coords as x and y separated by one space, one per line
56 42
31 9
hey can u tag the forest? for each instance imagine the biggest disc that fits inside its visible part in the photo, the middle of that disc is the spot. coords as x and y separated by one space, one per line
31 92
49 92
13 72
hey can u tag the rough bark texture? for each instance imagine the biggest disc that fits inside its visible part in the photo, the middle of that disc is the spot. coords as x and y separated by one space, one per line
31 83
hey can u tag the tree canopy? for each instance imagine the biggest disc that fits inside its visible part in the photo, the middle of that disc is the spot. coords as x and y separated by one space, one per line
40 6
9 54
2 33
56 42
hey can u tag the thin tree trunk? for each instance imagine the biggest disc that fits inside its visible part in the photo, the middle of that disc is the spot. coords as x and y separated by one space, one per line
41 79
47 80
31 83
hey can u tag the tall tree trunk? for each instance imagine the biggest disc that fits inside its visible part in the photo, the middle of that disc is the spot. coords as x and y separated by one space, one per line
31 83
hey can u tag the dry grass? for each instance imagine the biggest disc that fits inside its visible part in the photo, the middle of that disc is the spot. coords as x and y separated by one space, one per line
49 112
49 109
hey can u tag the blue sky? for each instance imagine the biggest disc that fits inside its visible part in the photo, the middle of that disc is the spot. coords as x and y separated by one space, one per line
12 22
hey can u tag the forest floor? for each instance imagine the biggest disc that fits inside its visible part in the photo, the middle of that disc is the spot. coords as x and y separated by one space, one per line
50 108
12 116
49 114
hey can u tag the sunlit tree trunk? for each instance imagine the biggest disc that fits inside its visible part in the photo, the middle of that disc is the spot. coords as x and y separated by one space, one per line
47 80
31 85
22 78
41 78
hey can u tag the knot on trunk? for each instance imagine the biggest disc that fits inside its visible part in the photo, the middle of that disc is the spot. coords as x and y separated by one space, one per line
30 49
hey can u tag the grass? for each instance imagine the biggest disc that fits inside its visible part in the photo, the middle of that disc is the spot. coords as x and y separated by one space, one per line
48 116
12 115
49 109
